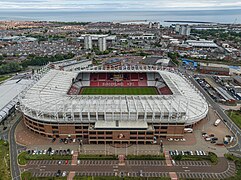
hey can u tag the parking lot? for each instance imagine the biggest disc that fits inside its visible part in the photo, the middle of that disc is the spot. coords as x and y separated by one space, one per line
49 162
145 163
131 174
192 163
44 174
97 162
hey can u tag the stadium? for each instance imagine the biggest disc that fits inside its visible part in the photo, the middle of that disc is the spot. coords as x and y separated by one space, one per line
133 105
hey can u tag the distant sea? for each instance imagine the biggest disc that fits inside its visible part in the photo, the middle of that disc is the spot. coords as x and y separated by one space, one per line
218 16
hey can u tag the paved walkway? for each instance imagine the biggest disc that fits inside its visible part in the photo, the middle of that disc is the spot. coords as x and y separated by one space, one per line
71 175
168 158
173 175
75 158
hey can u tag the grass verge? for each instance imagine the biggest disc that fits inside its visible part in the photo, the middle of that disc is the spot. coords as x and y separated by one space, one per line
5 161
237 162
235 116
24 157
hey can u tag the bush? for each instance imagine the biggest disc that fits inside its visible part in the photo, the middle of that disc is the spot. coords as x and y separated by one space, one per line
213 157
146 157
177 157
96 157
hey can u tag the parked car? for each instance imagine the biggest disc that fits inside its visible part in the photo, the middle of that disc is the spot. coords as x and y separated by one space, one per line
214 139
64 174
208 139
58 173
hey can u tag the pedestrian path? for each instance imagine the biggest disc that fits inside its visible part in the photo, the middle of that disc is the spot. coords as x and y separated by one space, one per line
71 175
168 158
173 175
73 163
75 158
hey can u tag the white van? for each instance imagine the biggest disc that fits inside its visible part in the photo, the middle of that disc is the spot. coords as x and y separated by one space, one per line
216 123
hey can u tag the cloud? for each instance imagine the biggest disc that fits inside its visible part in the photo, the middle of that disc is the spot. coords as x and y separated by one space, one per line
114 5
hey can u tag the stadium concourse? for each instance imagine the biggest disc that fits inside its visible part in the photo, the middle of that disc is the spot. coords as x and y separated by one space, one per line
116 107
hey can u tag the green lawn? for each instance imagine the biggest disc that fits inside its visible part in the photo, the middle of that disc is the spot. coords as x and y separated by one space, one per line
236 117
5 161
119 91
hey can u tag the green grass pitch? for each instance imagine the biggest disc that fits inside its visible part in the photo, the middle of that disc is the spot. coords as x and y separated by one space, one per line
118 91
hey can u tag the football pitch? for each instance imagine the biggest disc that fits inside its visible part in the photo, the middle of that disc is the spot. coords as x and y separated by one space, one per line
119 91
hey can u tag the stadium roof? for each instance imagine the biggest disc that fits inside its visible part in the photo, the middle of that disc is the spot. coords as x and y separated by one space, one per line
8 95
48 101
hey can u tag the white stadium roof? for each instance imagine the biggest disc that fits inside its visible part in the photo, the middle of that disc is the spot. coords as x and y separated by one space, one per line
8 95
48 101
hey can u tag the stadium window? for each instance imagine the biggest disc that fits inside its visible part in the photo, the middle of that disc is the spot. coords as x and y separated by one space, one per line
76 116
164 132
149 116
133 132
92 132
164 127
108 137
41 125
141 116
149 133
101 117
92 116
108 132
100 132
141 133
55 127
157 116
78 127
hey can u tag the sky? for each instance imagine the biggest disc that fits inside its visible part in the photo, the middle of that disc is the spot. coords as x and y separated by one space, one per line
119 5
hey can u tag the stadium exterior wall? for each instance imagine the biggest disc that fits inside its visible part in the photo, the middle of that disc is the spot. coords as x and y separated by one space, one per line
89 135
